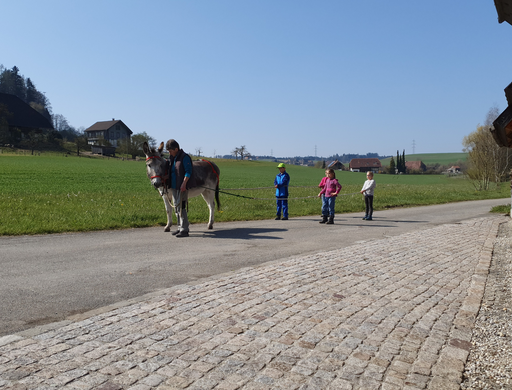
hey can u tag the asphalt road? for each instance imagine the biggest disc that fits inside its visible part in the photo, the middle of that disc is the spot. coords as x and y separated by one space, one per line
47 278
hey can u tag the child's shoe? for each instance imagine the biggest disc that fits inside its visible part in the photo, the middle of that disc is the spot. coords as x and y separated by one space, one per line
365 217
369 218
278 218
330 221
324 219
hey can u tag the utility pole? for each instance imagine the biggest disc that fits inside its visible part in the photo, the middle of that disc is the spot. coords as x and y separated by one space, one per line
413 147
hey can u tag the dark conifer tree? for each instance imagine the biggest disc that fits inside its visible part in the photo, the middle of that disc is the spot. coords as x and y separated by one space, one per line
392 166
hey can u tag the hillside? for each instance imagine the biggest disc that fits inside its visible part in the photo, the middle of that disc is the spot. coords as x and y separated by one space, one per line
432 158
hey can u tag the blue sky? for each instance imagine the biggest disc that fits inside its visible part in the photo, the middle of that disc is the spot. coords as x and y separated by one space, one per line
282 77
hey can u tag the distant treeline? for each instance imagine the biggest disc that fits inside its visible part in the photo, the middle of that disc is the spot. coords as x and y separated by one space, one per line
344 158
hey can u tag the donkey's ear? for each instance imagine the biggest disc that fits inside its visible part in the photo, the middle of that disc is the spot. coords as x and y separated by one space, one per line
145 148
161 147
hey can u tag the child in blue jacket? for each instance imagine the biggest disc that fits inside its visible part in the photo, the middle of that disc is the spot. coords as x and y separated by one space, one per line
281 183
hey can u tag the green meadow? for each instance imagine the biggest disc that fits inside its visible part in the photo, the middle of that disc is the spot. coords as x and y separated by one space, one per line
431 158
51 194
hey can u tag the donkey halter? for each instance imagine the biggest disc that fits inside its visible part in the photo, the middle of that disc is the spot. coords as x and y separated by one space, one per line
165 176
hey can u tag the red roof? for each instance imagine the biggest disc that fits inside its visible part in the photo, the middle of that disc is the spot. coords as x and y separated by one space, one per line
357 163
414 165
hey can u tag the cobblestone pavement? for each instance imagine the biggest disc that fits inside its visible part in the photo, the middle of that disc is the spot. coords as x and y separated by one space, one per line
395 313
489 365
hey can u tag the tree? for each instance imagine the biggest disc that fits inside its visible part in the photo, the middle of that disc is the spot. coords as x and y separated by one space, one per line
53 137
199 150
487 162
133 145
392 166
60 123
243 152
80 140
139 139
32 140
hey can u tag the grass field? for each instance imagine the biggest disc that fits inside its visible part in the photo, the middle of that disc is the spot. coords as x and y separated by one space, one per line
50 194
431 158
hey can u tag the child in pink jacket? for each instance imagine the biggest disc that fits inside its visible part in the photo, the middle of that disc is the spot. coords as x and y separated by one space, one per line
330 191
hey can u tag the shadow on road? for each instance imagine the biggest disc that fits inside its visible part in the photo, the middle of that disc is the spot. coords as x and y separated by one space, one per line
245 233
386 220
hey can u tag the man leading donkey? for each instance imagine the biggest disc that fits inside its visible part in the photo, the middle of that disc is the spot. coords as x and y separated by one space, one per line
181 180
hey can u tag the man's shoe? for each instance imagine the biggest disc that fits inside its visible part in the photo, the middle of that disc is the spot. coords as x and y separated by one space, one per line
176 232
365 217
369 219
324 219
330 221
278 218
182 234
285 218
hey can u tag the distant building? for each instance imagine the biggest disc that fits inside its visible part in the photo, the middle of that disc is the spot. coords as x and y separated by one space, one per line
20 115
365 165
103 150
453 169
415 166
113 131
336 165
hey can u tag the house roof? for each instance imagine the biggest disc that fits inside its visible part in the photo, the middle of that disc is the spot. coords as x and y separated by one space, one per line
504 8
334 163
105 125
414 164
365 163
22 115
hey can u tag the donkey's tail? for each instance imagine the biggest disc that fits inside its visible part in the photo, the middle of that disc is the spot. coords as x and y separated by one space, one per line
217 196
216 171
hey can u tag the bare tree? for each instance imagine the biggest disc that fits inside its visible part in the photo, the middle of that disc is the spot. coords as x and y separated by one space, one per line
501 156
243 152
199 150
60 123
487 162
236 152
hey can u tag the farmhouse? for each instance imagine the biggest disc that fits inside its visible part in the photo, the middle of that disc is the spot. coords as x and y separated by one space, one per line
113 131
415 166
365 165
19 115
453 169
336 165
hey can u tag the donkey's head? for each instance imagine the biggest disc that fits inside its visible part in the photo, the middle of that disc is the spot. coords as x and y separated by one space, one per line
156 166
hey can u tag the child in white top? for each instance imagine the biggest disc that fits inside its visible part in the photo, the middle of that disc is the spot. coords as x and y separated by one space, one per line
367 191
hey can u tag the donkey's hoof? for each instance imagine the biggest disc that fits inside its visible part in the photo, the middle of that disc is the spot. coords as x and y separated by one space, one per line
167 229
210 227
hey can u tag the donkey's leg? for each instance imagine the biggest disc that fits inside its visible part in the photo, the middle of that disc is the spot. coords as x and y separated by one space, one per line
168 210
209 198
